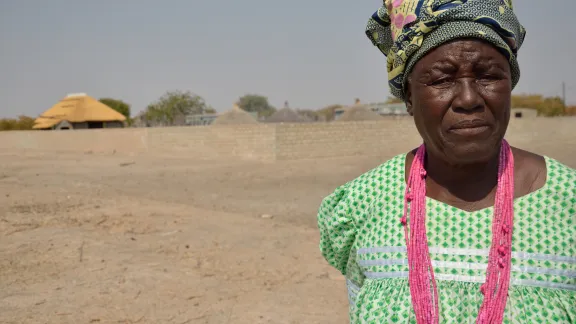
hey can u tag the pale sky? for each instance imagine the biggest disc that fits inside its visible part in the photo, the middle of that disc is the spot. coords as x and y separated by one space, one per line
310 52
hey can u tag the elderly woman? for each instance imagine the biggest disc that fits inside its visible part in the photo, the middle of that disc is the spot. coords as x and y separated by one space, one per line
464 228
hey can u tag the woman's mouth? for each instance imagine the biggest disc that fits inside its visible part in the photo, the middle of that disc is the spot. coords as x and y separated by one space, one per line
474 127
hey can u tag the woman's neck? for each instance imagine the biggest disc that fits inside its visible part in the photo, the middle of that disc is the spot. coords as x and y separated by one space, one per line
469 183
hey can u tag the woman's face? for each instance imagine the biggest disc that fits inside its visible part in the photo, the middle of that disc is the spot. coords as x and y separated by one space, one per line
459 95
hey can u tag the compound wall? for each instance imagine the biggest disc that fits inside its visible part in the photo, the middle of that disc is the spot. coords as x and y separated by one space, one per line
555 137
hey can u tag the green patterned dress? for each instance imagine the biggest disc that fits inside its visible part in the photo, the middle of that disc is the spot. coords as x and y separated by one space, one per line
362 237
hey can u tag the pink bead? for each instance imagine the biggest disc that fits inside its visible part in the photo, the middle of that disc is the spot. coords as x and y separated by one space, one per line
421 280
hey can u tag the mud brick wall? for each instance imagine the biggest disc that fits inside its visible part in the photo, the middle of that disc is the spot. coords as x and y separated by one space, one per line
86 141
252 142
555 137
323 140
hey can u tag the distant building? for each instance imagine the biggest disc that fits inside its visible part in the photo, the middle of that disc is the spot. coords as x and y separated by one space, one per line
384 109
523 113
357 112
79 111
381 108
200 120
287 115
233 116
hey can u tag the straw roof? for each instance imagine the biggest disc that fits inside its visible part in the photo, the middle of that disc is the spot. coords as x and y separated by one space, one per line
359 112
235 116
77 108
287 115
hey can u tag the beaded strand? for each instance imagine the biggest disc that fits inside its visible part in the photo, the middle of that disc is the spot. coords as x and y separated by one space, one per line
423 289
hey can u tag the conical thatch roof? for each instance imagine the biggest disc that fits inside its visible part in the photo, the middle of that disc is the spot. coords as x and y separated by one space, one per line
77 108
359 112
235 116
287 115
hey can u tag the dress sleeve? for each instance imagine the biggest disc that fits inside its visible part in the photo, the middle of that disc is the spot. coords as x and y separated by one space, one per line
337 229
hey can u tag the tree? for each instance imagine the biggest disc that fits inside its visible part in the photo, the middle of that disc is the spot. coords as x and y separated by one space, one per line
174 106
118 105
22 123
256 103
552 106
7 124
25 122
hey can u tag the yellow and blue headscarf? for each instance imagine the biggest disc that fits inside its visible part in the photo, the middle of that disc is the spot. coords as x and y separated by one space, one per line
405 30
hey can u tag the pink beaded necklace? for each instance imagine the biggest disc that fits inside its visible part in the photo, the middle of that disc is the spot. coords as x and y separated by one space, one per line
421 279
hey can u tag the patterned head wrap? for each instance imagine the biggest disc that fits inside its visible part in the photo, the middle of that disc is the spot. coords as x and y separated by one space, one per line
405 30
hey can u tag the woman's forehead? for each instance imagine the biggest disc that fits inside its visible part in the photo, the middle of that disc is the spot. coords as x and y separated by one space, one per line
462 51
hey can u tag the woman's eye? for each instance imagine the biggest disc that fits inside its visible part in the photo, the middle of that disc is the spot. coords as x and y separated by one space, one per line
488 78
441 82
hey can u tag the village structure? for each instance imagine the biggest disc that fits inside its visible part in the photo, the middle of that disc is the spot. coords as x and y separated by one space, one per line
79 111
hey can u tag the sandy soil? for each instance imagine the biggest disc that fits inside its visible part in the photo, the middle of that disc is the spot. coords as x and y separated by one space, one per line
115 239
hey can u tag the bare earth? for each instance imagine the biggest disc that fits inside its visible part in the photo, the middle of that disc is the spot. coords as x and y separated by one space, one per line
115 239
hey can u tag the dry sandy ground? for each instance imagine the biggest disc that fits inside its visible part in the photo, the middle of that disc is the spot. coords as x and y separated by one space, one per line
112 239
116 239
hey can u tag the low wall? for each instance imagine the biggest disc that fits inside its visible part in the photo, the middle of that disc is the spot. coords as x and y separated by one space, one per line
555 137
253 142
244 142
323 140
89 140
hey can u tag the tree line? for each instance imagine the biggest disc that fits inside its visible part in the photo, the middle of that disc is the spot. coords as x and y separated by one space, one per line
173 106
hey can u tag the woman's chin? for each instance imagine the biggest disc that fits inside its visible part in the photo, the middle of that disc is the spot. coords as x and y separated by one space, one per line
471 153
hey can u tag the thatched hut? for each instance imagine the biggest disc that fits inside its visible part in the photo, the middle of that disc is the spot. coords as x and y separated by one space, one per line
358 112
235 116
79 111
287 115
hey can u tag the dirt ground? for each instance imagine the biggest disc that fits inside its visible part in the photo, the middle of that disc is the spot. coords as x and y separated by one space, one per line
116 239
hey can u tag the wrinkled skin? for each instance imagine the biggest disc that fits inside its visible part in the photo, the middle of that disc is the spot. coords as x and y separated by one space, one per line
460 96
466 80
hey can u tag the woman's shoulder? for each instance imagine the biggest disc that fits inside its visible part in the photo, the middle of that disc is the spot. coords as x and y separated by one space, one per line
370 185
387 172
341 213
555 183
560 170
561 180
553 167
538 173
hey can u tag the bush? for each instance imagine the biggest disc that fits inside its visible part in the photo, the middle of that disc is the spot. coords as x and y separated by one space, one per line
22 123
